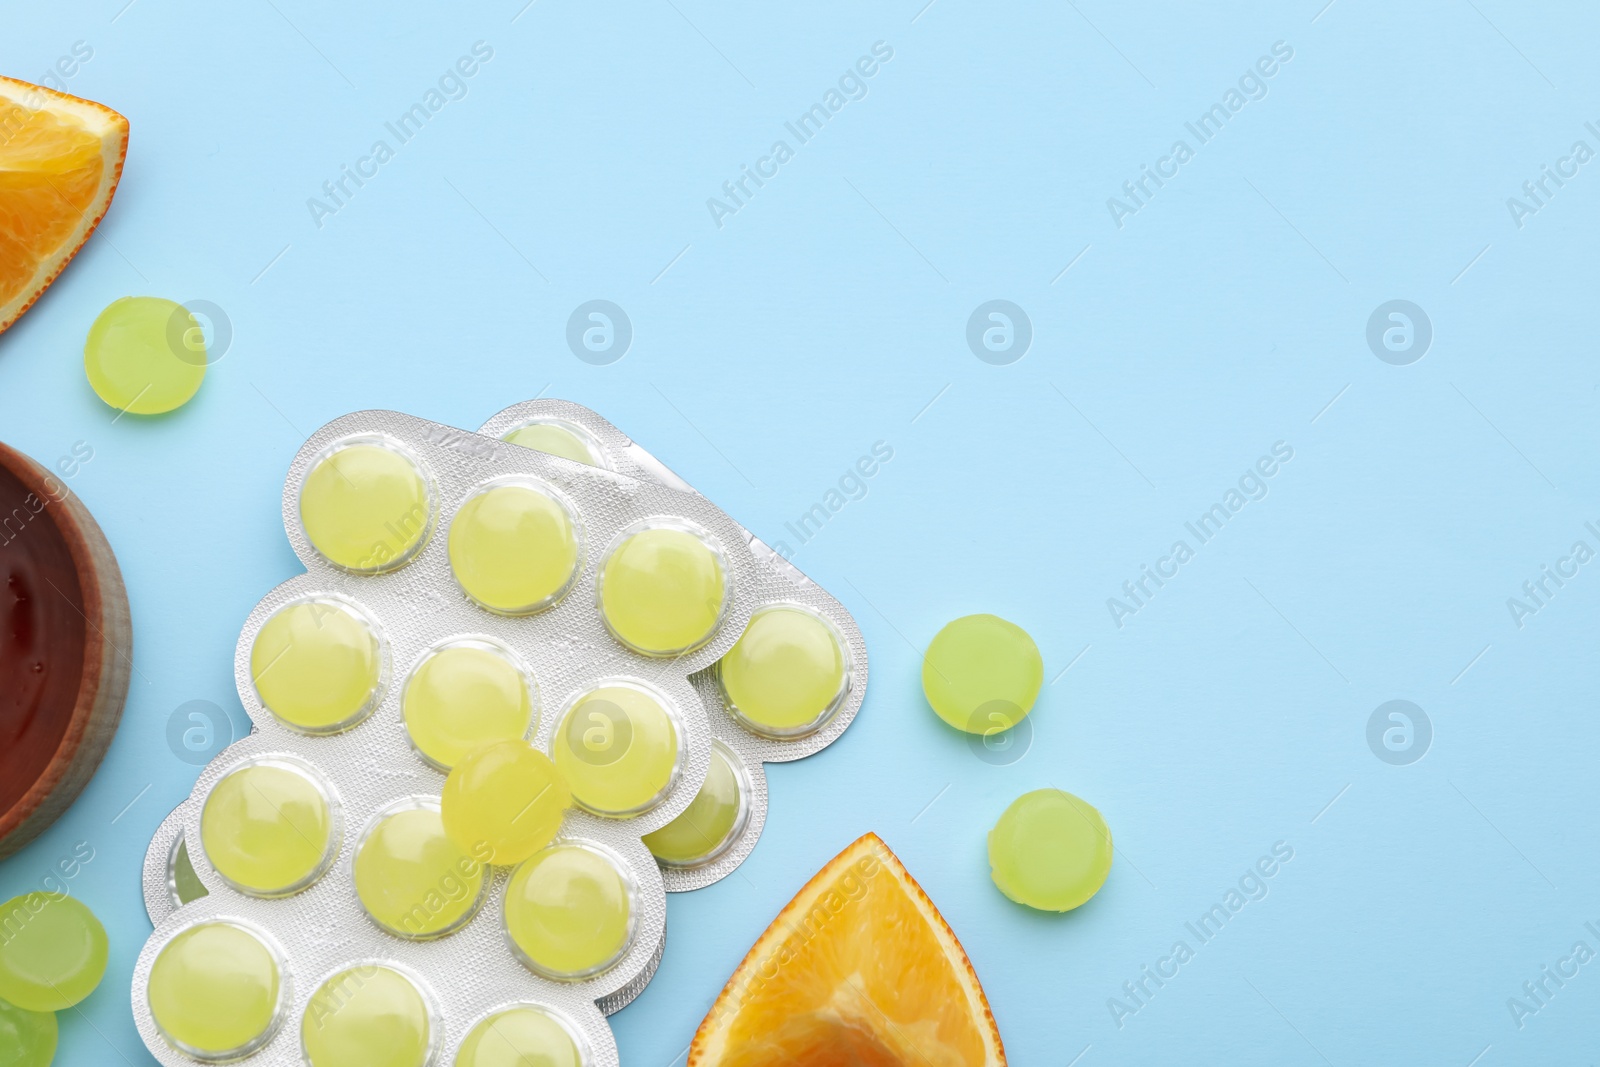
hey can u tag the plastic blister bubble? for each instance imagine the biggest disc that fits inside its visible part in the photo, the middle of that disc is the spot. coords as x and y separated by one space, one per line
778 726
347 788
394 606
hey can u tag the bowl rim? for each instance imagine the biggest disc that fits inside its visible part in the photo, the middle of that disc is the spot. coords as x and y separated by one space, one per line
107 658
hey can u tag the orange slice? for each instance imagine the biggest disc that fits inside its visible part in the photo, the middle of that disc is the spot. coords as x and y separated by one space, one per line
60 160
859 970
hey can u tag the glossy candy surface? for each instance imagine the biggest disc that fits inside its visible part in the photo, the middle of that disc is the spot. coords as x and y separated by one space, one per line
462 697
145 355
982 674
557 440
569 911
520 1037
786 673
617 748
27 1038
513 549
317 665
709 824
214 990
1050 850
365 507
505 802
413 880
662 591
53 954
367 1016
267 828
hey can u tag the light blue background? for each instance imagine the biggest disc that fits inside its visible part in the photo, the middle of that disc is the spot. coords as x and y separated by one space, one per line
828 314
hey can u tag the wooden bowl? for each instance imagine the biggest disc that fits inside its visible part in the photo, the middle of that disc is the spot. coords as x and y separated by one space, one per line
66 647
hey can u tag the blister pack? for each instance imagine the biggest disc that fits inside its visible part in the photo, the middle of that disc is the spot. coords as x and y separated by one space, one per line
787 690
552 582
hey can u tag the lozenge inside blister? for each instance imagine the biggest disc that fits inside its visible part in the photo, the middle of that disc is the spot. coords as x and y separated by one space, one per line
369 1015
712 821
515 546
527 1035
318 665
217 991
558 437
787 674
618 748
464 694
269 827
413 879
366 504
570 910
663 589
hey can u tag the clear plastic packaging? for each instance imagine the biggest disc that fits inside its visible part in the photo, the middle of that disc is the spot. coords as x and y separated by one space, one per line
605 644
810 650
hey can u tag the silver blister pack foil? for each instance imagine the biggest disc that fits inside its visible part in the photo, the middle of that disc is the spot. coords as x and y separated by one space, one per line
371 767
779 581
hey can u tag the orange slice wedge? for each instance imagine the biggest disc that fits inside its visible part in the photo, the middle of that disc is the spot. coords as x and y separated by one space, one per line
60 161
859 970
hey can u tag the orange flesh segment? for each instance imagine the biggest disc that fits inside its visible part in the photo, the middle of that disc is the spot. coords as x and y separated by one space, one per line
60 160
859 970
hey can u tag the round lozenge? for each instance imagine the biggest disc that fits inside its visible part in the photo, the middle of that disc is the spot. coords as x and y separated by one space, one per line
28 1038
787 673
663 591
617 747
52 954
268 828
318 666
504 802
558 439
569 911
524 1036
1050 850
367 1016
216 992
413 880
145 355
514 548
464 696
711 822
366 506
982 674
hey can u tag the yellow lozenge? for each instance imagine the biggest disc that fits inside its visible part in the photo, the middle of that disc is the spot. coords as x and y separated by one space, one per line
268 829
982 674
786 675
215 992
558 439
504 802
367 1016
569 911
1050 850
463 696
413 880
663 591
366 505
318 666
711 822
617 747
53 951
524 1036
29 1038
145 355
514 548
